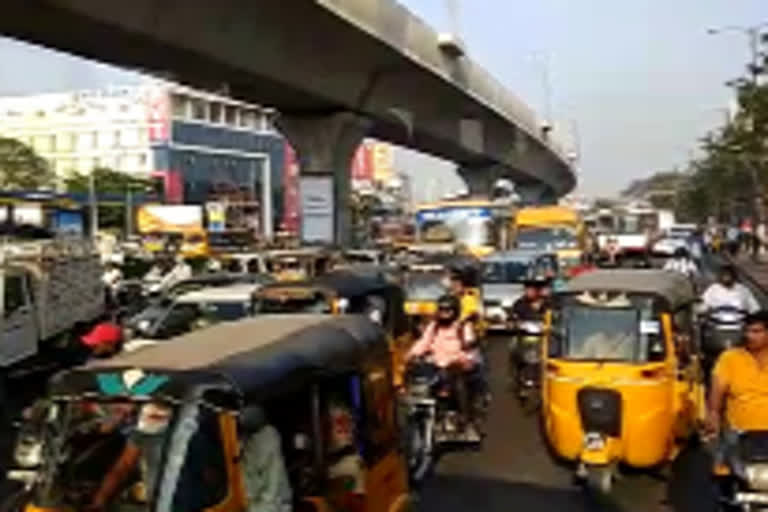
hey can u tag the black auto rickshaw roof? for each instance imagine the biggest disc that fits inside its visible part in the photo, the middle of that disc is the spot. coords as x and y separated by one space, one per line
257 358
673 287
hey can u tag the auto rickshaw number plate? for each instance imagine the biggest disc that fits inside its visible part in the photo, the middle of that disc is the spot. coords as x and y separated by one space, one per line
594 441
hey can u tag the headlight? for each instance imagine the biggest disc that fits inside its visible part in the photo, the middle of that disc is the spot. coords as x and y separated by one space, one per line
531 355
757 476
28 452
144 325
507 303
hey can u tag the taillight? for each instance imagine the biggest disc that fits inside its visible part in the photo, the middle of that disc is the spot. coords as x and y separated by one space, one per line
652 374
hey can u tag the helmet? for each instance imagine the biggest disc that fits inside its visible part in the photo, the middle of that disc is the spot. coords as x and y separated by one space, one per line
448 303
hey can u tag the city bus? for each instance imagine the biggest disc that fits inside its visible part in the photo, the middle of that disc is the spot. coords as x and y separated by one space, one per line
481 226
557 229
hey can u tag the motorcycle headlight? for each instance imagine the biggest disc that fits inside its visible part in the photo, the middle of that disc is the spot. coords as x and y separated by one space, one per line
28 453
757 476
144 325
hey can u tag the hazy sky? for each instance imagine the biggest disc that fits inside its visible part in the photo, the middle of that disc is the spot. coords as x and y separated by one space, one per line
641 78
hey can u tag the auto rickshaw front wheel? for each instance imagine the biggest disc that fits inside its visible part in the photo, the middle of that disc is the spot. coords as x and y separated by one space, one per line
599 478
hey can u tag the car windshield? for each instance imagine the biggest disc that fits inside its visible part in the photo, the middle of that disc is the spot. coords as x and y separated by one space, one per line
505 272
472 227
599 334
225 311
630 332
546 238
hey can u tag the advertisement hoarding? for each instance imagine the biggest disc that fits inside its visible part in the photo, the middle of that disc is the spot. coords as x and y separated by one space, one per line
290 191
154 218
316 193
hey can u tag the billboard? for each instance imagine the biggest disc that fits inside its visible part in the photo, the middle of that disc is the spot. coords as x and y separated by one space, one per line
290 190
362 166
158 115
383 161
316 193
162 218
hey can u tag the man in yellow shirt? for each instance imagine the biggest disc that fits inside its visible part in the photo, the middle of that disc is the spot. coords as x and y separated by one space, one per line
470 304
740 382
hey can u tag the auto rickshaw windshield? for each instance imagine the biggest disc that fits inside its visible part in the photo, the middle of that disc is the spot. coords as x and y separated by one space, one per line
141 446
584 332
427 287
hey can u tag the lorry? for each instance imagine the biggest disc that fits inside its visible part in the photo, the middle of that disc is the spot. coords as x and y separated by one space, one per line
50 291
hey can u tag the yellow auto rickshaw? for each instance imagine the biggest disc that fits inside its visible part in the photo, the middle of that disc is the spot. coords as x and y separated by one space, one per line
174 426
346 292
621 383
297 264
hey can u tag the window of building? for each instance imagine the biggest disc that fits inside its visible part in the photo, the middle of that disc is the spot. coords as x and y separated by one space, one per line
199 110
216 112
143 161
248 118
116 142
230 113
143 136
179 106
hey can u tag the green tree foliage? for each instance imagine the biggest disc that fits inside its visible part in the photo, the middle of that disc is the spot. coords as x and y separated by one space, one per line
107 181
23 169
731 175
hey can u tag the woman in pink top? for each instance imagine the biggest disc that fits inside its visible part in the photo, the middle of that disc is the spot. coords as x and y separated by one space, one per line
450 344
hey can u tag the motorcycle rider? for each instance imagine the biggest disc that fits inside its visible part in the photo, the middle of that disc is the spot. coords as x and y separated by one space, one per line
450 343
728 292
738 398
532 305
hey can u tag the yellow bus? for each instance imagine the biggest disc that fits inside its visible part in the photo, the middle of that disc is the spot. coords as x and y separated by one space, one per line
480 225
551 228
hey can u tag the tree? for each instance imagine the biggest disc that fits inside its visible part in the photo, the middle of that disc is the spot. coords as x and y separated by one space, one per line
111 183
23 169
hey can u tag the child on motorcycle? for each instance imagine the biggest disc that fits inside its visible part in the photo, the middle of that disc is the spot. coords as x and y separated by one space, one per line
450 344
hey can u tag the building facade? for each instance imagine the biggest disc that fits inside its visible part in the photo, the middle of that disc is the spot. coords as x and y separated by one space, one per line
203 146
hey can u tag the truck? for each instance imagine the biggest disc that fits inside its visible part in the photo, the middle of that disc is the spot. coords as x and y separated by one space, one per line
50 290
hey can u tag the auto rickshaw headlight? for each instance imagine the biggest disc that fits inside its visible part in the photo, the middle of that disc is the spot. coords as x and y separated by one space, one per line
507 303
757 476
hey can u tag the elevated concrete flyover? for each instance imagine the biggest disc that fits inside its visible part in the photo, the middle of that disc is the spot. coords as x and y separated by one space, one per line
336 70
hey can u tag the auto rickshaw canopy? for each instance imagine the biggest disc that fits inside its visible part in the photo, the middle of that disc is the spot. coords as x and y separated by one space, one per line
257 359
672 287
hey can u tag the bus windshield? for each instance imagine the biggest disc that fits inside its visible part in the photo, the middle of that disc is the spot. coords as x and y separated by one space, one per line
546 238
473 227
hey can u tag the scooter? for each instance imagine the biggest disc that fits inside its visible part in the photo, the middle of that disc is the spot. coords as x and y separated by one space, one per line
742 474
525 363
431 418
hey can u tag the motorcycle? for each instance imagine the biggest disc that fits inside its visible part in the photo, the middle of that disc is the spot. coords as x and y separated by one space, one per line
742 476
432 419
525 363
722 329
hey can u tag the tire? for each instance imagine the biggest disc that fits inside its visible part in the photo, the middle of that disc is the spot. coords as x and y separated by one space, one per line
600 479
419 460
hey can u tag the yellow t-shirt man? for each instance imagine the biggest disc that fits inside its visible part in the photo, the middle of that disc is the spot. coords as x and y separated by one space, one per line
747 389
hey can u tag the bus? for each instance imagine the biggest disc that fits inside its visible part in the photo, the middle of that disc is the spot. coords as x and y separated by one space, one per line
479 225
557 229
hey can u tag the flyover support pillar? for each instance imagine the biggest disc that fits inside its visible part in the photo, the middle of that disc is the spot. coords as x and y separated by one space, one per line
325 145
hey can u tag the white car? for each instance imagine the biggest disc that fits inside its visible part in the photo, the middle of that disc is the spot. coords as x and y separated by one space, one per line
190 311
668 245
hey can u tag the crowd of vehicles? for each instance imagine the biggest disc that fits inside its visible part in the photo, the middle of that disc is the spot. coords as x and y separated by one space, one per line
615 361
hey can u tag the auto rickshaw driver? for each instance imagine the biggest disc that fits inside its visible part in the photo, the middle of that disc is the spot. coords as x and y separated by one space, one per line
143 449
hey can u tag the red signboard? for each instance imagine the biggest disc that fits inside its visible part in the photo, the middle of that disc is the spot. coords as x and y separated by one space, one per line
158 116
362 165
291 204
173 185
